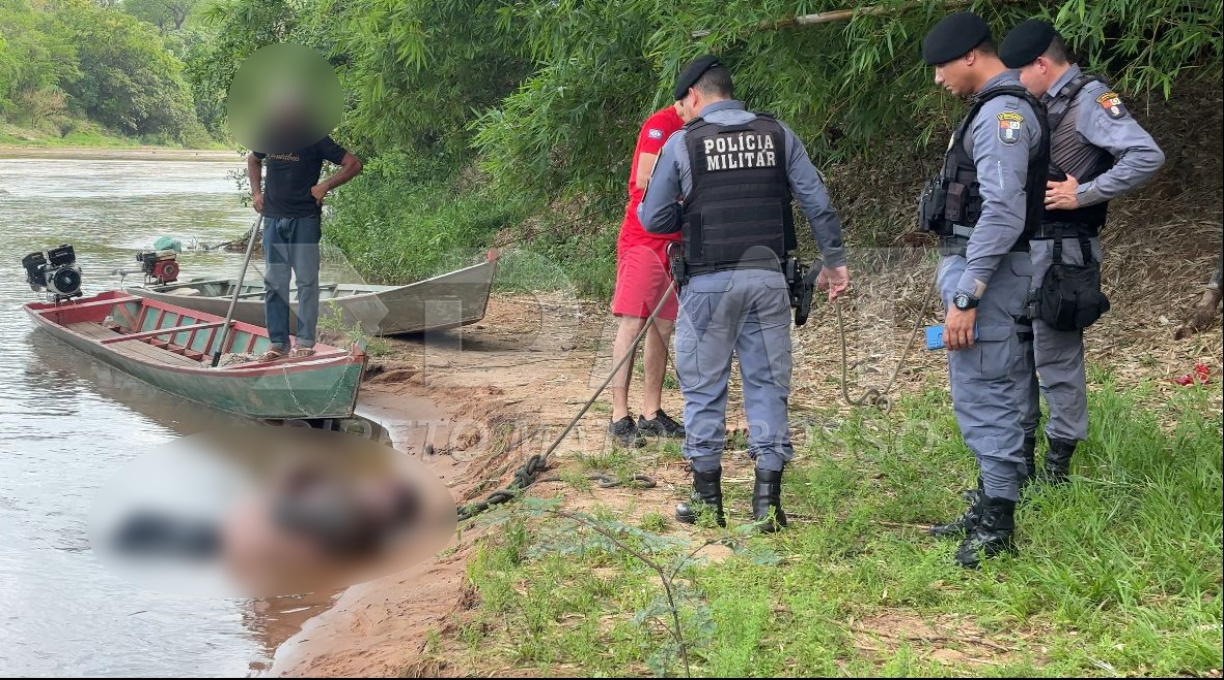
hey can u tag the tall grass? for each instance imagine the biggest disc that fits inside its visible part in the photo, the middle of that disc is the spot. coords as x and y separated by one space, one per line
1119 573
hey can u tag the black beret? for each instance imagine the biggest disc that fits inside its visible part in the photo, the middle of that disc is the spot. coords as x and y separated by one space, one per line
692 73
953 37
1026 42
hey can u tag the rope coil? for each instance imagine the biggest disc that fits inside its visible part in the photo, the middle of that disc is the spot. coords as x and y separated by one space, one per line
875 396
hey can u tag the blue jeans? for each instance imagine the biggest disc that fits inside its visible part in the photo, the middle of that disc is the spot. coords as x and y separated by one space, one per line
291 244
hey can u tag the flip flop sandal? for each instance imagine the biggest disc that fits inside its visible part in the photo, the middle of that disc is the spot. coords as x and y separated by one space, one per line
272 355
298 352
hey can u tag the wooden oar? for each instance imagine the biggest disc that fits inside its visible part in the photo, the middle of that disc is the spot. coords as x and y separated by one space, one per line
229 316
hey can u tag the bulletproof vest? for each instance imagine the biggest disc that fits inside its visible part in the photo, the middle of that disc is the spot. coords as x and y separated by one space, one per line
1072 154
738 213
960 172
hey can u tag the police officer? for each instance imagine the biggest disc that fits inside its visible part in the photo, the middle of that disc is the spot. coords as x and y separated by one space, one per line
736 173
1097 152
989 198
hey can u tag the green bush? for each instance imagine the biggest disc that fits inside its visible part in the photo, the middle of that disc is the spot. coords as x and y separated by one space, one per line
402 220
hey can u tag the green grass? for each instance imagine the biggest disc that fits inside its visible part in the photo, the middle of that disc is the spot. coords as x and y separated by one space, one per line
654 521
86 135
1119 573
406 218
75 140
331 321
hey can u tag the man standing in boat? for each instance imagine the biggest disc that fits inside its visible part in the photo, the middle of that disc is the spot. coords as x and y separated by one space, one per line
291 207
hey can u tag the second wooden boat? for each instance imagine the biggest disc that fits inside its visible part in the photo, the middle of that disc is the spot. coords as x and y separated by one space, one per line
454 299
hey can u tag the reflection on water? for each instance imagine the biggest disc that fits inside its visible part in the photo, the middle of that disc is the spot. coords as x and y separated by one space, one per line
67 424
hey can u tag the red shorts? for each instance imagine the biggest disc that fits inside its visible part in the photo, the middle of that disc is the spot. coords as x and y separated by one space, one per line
642 277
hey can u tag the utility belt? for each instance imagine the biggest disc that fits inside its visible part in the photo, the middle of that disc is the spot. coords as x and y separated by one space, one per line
800 280
1048 230
958 242
692 270
1070 296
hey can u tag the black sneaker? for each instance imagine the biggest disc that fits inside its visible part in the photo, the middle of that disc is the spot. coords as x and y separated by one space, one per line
662 425
626 433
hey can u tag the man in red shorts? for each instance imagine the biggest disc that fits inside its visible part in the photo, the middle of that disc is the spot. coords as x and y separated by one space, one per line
642 278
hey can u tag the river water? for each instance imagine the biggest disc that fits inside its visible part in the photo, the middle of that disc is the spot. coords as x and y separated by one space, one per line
67 424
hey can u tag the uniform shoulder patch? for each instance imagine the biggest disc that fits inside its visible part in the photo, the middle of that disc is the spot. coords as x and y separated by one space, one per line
655 133
1112 105
1010 123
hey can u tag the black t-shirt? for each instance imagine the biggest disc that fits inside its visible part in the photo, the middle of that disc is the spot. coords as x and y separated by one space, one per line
286 185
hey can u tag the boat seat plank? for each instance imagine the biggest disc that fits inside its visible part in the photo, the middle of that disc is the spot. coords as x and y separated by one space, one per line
135 350
172 330
102 303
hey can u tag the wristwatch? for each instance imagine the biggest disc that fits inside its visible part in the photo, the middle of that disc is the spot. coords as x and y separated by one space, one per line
964 301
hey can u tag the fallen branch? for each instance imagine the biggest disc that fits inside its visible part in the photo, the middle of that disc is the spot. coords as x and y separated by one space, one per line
833 15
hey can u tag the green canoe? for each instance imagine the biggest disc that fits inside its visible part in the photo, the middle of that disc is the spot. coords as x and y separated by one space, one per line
168 347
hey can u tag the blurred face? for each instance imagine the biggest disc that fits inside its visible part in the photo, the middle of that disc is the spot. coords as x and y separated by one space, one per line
957 76
1038 76
288 114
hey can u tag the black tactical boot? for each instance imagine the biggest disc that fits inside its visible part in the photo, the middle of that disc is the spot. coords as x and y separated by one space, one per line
1058 461
992 536
966 522
707 493
767 501
1030 462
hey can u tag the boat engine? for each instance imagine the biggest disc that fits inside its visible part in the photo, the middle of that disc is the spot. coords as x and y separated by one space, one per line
159 265
56 271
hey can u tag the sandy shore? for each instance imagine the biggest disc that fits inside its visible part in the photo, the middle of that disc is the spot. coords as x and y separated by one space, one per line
133 154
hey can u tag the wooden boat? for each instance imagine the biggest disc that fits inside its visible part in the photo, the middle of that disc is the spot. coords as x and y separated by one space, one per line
447 301
168 347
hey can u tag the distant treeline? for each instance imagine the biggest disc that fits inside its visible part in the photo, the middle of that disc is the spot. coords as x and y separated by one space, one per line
65 64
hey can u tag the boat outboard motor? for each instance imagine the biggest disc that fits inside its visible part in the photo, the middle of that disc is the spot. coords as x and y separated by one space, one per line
55 271
159 265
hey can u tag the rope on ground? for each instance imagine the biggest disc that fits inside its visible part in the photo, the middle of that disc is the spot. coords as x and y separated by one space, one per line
638 481
529 473
874 396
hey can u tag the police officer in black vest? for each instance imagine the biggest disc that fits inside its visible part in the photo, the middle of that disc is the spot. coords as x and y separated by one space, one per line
1097 152
736 173
984 205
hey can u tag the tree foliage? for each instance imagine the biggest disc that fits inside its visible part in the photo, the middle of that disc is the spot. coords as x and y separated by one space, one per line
548 93
418 70
80 58
128 80
166 15
845 86
34 56
232 30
